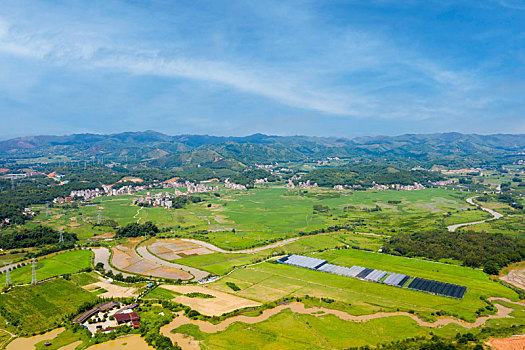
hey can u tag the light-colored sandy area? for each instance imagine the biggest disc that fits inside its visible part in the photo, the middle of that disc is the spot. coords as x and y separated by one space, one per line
222 303
184 341
513 343
134 342
146 254
516 276
113 291
29 343
126 258
207 327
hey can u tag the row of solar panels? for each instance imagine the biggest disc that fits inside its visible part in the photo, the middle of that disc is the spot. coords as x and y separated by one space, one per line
396 279
393 279
439 288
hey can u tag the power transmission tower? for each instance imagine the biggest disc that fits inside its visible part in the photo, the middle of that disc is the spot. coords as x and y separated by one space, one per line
99 217
7 274
61 239
33 271
48 211
12 184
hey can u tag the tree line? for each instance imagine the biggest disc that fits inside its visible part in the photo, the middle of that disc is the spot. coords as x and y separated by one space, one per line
474 249
368 174
37 236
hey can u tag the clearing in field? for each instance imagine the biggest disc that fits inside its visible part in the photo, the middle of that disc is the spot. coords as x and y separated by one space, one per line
222 303
173 249
112 290
126 258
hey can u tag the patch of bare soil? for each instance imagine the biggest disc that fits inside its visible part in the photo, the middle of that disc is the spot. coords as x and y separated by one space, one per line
222 303
513 343
126 258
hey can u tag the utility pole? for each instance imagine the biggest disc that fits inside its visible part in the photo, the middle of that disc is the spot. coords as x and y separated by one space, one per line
61 239
33 272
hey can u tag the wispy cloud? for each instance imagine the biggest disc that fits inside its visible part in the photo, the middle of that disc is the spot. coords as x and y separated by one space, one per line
293 59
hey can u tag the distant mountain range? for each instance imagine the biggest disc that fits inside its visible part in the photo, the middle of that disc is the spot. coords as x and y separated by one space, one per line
157 149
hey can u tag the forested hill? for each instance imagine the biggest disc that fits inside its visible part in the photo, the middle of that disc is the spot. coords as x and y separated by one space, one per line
162 150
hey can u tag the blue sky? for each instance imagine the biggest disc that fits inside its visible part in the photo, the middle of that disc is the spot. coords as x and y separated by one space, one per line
327 68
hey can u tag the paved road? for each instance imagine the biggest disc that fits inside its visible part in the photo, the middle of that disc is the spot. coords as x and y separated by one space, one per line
102 255
269 246
495 215
251 250
198 274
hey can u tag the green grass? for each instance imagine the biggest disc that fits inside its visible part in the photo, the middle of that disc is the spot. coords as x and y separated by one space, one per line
267 282
55 265
288 330
162 293
83 279
265 214
221 263
64 338
40 307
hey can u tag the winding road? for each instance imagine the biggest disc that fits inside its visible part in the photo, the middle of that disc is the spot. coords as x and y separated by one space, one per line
102 255
197 274
269 246
495 216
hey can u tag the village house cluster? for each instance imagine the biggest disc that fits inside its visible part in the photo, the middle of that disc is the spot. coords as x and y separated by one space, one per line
306 184
233 186
444 182
415 187
109 316
157 200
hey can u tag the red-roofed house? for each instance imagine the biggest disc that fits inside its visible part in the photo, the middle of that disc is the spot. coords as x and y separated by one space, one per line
132 317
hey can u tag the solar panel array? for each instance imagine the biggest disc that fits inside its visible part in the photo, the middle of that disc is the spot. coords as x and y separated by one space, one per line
396 279
304 261
439 288
392 279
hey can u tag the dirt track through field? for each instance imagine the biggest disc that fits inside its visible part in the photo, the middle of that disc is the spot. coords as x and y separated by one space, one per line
495 215
207 327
